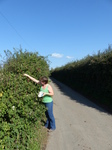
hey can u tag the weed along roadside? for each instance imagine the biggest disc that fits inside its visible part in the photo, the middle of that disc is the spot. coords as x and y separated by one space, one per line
21 111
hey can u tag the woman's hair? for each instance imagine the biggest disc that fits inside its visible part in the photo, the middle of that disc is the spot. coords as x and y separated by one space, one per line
44 79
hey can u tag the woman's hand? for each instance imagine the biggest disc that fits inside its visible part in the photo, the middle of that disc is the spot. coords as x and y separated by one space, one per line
26 75
48 94
44 94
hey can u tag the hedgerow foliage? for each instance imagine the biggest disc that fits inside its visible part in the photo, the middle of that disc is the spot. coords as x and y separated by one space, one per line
20 109
91 76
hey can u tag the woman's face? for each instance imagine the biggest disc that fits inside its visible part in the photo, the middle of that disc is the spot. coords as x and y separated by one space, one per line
42 83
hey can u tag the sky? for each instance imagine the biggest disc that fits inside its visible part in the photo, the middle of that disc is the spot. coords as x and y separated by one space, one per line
63 30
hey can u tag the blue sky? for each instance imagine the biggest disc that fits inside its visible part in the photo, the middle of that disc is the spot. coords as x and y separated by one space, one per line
63 30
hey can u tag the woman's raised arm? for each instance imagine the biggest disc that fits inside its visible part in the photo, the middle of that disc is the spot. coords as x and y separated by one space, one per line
31 78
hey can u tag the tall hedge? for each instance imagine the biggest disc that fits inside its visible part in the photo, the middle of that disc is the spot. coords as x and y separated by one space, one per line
92 76
20 109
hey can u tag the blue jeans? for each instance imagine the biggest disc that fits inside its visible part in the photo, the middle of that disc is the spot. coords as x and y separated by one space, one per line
50 123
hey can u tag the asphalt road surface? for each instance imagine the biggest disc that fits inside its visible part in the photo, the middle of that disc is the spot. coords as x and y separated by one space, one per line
80 124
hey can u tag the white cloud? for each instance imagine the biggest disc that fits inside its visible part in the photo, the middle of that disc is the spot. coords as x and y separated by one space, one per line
56 55
69 57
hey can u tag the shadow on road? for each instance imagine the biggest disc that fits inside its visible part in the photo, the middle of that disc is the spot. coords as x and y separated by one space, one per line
76 96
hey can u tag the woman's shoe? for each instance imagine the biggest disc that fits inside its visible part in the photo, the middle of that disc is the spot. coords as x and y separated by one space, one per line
51 130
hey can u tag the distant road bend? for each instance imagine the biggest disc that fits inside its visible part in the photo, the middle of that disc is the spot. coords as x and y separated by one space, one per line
80 124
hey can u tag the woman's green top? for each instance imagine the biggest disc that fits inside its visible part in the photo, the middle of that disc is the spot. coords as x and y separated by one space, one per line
46 98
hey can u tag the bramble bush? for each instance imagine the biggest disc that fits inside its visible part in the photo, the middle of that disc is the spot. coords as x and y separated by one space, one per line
21 111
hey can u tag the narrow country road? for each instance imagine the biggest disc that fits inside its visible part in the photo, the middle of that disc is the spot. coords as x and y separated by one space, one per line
80 124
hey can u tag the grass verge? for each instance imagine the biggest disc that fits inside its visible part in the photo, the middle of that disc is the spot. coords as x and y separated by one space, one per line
39 139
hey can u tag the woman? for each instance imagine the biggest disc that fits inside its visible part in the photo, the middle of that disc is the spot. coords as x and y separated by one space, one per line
47 100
